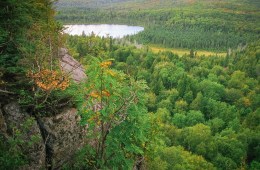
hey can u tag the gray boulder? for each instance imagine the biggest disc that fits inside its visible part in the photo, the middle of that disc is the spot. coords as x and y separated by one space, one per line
71 66
64 136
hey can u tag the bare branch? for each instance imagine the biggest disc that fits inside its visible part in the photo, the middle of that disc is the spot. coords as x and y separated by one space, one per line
8 92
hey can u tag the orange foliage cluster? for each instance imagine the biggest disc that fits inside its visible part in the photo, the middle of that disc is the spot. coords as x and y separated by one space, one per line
105 93
96 94
105 64
49 80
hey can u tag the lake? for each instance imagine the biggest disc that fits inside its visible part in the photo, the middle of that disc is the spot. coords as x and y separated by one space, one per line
115 31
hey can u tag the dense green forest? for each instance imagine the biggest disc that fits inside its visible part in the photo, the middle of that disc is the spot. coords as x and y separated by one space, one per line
200 24
157 111
203 111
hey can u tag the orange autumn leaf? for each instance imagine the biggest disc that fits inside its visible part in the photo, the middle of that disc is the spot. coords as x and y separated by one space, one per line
94 94
105 93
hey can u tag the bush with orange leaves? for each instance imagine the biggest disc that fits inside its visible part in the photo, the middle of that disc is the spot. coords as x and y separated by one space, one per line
49 80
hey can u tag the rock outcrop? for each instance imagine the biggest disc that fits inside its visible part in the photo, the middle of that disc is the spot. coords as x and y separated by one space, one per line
25 128
71 66
63 135
48 142
3 126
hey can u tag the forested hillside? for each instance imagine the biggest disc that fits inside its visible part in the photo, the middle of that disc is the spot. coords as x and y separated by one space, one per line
201 24
203 111
199 107
88 3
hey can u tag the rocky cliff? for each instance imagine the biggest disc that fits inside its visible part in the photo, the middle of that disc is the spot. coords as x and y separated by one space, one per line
47 142
71 66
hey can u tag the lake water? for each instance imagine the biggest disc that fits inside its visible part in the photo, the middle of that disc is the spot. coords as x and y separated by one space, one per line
116 31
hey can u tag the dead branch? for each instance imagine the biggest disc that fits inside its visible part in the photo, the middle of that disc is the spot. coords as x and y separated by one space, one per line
5 91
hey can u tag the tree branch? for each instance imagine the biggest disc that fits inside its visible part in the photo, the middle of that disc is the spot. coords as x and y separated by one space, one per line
5 91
